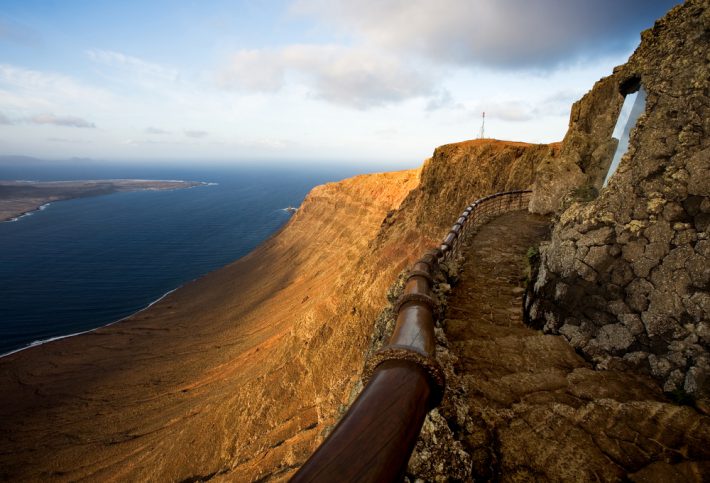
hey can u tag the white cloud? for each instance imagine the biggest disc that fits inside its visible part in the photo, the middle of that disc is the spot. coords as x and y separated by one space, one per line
353 77
156 130
26 89
138 69
67 121
65 140
196 134
513 110
256 70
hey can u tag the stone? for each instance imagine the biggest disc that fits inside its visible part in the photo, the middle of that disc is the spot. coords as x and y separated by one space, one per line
699 169
621 274
618 307
684 237
642 266
673 211
637 292
657 323
584 271
698 305
702 248
561 290
574 335
674 381
614 337
698 268
633 250
633 323
660 366
598 258
599 237
636 358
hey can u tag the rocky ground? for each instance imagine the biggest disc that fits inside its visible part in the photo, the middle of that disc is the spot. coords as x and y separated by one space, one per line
523 406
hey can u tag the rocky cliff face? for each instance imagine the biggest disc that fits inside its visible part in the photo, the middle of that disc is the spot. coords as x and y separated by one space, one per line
456 175
240 374
585 153
626 276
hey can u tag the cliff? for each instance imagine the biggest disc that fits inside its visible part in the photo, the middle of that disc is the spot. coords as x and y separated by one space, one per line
239 375
241 372
625 277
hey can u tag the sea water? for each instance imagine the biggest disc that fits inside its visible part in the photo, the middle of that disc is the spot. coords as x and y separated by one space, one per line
84 263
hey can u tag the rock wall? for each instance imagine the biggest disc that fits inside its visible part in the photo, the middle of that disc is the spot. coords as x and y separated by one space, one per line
586 151
626 276
459 173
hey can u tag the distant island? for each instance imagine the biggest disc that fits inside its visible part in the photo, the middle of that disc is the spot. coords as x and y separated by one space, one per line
19 198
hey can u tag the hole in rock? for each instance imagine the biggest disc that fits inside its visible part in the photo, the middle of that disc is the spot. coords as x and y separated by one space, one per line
634 105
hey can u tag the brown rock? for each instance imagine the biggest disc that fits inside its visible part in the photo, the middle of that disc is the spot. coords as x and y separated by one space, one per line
652 210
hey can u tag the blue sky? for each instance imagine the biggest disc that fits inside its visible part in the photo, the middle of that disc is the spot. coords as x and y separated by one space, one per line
366 80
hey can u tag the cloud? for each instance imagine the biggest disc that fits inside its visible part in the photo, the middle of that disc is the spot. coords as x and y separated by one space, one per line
497 33
196 134
348 76
4 119
28 89
443 100
519 110
65 140
257 70
134 67
68 121
155 130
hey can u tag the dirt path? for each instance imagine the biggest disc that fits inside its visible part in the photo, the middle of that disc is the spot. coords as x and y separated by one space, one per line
537 410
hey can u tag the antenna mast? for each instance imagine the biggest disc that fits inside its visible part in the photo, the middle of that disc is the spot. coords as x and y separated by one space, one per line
483 127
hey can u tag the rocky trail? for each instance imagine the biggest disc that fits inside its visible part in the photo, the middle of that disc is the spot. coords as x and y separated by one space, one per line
535 409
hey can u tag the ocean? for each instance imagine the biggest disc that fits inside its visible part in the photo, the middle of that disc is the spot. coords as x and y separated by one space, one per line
84 263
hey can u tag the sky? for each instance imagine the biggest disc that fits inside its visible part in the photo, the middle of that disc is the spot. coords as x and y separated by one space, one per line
321 80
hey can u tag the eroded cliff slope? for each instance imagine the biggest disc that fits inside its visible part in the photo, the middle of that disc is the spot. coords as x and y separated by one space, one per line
239 374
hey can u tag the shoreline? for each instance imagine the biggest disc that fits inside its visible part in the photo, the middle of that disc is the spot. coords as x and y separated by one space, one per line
183 364
40 342
38 201
28 213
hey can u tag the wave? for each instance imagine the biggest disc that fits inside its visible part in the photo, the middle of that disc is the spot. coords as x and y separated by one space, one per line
44 341
28 213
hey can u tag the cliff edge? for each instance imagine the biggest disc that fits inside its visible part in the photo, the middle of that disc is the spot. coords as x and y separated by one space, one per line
241 373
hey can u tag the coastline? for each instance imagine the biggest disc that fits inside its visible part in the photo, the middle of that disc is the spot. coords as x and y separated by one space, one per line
40 342
225 340
25 214
24 197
